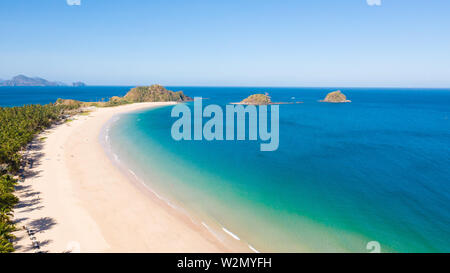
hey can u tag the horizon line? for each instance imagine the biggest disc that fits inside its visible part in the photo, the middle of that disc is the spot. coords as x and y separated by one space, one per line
243 86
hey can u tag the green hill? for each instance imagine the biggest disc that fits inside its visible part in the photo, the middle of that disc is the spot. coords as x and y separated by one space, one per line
154 93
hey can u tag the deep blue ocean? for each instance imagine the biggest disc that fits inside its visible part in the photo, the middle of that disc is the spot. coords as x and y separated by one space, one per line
375 169
21 95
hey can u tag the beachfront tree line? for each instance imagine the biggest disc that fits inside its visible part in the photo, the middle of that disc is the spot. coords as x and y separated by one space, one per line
18 126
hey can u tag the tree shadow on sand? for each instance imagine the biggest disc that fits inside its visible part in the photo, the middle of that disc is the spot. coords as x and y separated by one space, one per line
32 209
33 159
42 224
17 221
41 244
28 203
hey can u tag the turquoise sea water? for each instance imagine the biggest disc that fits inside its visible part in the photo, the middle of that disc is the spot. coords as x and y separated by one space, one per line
376 169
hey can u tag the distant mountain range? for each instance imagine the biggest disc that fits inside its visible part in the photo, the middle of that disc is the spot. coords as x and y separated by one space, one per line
78 84
22 80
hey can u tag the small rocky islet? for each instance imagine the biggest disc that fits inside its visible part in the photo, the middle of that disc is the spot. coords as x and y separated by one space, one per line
261 99
257 99
335 97
264 99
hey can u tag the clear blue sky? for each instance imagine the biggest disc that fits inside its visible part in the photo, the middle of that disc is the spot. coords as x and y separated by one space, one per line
232 42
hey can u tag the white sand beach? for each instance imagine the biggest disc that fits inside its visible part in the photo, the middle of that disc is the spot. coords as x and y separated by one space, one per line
77 200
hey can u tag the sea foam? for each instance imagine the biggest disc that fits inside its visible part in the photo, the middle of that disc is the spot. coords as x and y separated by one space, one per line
231 234
253 249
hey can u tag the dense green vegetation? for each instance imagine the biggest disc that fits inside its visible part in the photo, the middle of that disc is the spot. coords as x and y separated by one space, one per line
7 202
116 101
77 103
18 126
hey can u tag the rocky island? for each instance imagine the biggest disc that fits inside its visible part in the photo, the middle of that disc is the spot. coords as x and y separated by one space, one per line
257 99
261 99
336 97
153 93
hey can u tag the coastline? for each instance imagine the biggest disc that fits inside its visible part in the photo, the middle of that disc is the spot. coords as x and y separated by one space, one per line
77 200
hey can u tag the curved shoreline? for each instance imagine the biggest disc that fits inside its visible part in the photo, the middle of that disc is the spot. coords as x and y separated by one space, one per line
75 196
219 232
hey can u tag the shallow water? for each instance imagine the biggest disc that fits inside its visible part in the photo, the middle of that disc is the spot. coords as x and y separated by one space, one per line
375 169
